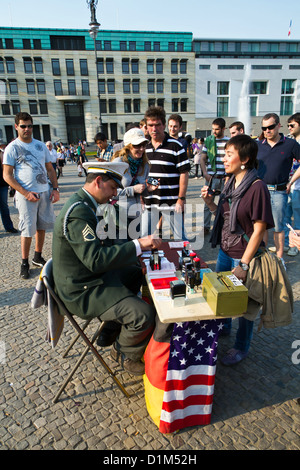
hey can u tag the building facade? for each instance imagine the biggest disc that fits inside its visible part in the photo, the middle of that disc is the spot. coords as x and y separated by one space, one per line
63 79
244 80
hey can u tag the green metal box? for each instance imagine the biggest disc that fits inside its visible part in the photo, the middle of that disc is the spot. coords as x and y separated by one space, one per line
225 294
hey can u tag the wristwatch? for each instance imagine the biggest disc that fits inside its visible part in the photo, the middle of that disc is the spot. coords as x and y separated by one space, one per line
181 197
244 266
55 189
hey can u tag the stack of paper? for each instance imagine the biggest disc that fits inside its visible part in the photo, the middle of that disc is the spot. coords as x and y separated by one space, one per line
168 269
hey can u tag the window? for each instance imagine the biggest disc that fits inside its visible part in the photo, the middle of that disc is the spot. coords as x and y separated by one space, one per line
33 108
41 87
98 45
132 45
287 87
156 46
43 107
171 47
135 66
6 108
9 43
38 65
27 65
180 46
136 105
26 44
71 87
174 66
101 86
67 43
30 87
37 44
83 67
223 88
150 66
123 46
222 106
286 105
160 66
112 106
55 67
16 108
111 85
175 107
70 67
126 86
103 106
147 46
258 88
109 65
160 86
125 66
160 102
1 65
13 86
100 66
151 102
174 85
151 86
183 66
183 86
85 87
183 105
135 86
107 45
57 88
127 106
253 105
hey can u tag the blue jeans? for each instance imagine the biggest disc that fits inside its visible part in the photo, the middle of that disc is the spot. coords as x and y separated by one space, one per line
245 329
292 210
279 200
171 220
4 209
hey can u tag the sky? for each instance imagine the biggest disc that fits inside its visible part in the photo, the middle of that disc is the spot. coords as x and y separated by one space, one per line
252 19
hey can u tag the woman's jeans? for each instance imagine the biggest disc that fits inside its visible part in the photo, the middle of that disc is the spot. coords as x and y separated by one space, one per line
245 329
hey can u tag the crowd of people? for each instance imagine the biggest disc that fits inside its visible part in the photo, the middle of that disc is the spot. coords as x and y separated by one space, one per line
146 175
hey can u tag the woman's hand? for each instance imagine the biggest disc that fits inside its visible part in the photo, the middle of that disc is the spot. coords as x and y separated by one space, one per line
139 188
240 273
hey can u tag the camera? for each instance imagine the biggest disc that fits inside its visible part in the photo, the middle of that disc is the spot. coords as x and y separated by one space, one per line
152 181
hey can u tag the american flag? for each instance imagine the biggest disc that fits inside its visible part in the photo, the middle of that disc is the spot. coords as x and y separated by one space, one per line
290 28
189 387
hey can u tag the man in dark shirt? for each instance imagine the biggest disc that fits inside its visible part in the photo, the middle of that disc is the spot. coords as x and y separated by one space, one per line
275 155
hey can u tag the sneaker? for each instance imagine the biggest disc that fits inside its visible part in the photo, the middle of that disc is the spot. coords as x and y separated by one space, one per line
133 367
233 356
39 261
293 251
24 273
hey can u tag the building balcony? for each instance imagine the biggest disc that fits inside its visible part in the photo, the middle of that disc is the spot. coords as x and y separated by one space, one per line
62 95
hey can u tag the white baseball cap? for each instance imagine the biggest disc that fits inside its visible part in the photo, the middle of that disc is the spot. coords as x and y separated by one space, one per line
134 136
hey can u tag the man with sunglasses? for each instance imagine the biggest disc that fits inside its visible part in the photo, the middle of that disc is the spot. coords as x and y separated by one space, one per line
26 168
275 155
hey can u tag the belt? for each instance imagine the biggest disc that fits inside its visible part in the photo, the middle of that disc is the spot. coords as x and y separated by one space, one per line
277 187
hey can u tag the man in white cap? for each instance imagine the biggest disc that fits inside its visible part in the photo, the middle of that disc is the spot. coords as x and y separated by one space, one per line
98 278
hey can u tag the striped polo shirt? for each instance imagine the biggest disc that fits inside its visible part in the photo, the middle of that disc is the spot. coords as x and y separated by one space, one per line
219 157
167 162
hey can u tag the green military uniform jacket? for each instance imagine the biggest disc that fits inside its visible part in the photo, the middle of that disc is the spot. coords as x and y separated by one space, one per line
88 271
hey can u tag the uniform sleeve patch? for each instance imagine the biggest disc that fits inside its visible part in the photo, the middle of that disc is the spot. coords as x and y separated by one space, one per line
88 234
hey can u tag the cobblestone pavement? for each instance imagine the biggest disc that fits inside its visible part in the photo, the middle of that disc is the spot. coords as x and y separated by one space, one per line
256 403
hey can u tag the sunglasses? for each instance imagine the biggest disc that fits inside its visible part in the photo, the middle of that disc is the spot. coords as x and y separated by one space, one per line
137 146
291 125
23 126
269 127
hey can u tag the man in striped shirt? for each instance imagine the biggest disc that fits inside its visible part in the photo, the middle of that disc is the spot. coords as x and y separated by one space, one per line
170 165
209 168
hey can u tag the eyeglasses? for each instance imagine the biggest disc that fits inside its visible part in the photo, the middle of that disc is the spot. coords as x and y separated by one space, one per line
23 126
291 125
137 146
269 127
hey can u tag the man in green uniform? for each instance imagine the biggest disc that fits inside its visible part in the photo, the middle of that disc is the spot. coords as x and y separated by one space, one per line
101 278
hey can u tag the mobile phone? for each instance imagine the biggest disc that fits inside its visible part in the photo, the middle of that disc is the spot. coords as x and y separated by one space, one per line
292 230
152 181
